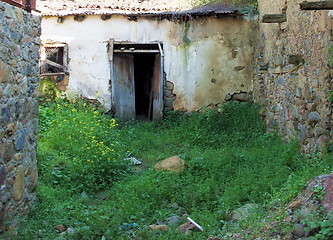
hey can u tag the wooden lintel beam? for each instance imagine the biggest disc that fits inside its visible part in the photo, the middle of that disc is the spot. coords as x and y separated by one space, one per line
274 18
136 51
320 5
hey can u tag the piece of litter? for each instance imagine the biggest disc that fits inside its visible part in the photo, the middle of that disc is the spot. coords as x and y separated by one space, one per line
194 223
133 160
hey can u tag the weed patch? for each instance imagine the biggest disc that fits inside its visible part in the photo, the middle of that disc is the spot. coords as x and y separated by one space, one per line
231 161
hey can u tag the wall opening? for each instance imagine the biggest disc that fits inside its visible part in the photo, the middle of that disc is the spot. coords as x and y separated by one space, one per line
137 81
54 59
143 75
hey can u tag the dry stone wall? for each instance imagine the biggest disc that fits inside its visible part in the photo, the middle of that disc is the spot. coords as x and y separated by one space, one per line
19 78
293 81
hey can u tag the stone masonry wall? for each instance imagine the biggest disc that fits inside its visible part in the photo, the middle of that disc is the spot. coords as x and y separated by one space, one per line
19 77
293 80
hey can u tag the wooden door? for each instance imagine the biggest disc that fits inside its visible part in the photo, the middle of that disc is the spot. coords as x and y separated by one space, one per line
157 86
123 89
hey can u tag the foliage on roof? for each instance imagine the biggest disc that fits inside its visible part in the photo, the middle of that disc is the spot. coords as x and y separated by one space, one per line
178 7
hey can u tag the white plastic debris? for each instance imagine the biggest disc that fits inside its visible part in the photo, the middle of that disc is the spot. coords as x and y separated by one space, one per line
133 160
194 223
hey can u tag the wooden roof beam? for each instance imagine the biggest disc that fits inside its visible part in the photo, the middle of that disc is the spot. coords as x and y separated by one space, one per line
274 18
319 5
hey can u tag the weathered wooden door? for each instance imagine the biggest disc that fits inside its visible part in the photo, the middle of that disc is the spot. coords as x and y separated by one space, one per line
123 89
157 85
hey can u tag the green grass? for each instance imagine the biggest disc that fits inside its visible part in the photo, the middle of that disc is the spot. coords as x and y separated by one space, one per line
231 160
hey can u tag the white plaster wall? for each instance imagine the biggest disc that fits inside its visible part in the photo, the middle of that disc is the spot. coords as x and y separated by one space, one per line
208 53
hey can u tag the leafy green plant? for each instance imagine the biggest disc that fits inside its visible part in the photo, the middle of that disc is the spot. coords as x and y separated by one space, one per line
83 147
330 96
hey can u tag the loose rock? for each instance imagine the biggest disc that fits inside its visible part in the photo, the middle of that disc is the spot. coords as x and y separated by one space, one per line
159 227
173 164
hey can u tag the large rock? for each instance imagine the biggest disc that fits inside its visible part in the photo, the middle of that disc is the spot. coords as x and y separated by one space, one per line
173 164
327 201
245 211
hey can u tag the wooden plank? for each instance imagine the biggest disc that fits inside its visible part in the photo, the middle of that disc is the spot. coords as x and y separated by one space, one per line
319 5
54 64
135 51
274 18
110 50
14 3
52 74
157 86
123 89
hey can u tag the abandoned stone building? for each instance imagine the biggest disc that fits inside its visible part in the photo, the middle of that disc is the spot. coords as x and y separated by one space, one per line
138 57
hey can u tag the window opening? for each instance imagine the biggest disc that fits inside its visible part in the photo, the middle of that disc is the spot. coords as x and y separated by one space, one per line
54 59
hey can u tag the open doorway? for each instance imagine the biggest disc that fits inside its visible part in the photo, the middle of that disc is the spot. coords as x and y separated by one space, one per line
137 80
144 64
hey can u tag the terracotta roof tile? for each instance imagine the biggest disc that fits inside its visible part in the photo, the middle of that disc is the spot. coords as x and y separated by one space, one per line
145 7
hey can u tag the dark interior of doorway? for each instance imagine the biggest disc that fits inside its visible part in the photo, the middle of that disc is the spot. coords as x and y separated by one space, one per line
143 74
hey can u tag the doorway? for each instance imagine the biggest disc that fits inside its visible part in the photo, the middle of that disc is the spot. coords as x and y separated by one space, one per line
143 75
137 80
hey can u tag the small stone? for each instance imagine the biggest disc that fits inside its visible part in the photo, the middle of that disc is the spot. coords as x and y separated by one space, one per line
299 230
3 175
167 93
242 97
173 164
60 228
32 180
10 168
70 230
168 101
4 72
19 183
322 142
312 107
186 227
294 205
5 115
211 237
169 85
313 118
84 195
173 220
8 146
275 70
10 129
159 227
318 131
18 157
20 140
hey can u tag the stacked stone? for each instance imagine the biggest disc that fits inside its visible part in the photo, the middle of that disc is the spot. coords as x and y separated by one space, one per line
293 77
19 78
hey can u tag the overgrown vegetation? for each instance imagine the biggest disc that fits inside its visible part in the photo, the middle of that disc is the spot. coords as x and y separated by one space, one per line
239 3
86 184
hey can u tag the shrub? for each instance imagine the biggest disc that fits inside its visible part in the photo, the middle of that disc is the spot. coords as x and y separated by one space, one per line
79 147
